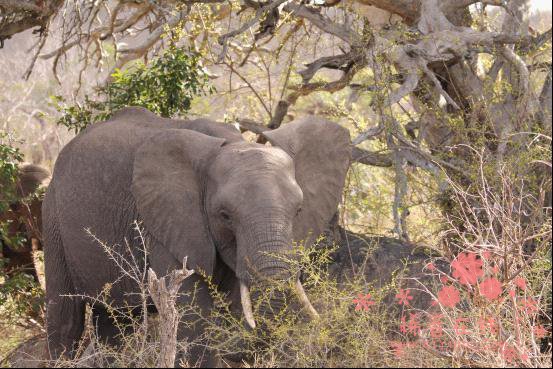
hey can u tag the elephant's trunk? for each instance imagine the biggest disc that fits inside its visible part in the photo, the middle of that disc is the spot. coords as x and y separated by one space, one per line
264 247
264 252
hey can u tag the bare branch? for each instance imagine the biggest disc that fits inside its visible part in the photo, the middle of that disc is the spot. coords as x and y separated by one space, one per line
21 5
371 158
223 40
342 32
164 292
340 62
408 9
19 16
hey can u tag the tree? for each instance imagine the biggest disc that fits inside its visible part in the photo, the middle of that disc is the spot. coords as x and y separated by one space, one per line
438 77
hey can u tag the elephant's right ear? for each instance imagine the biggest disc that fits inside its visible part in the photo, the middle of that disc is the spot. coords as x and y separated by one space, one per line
166 185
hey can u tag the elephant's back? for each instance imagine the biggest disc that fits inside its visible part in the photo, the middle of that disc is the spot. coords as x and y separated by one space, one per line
97 162
94 170
91 185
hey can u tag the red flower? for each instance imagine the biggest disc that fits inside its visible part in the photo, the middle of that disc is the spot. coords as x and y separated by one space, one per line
509 354
529 305
431 267
443 345
491 288
413 326
449 296
486 255
520 283
444 279
467 268
460 328
540 332
487 325
403 297
398 348
435 326
363 302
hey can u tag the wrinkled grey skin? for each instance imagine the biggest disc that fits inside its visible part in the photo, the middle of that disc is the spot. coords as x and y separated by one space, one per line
200 191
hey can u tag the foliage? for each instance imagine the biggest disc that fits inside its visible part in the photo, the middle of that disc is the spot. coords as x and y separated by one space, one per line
343 336
165 86
20 295
21 301
491 209
10 157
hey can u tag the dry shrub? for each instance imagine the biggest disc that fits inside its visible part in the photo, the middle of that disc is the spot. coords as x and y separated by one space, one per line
493 307
142 335
491 304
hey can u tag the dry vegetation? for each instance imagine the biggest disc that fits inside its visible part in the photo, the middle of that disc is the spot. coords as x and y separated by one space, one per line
449 109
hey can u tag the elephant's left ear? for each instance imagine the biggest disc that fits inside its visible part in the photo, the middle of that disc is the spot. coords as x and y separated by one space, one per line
167 185
321 151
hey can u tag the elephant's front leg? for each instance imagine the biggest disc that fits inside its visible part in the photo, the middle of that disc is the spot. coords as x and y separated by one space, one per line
195 292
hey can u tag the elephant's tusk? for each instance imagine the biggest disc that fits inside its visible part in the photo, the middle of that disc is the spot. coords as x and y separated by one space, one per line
305 300
247 304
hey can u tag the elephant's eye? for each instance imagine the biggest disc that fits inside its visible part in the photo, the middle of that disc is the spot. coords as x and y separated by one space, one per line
298 211
224 215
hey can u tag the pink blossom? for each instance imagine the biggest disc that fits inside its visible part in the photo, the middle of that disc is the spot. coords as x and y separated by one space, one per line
467 268
529 305
540 332
487 325
520 283
398 348
414 326
363 302
449 296
403 297
491 288
431 267
509 354
435 326
460 328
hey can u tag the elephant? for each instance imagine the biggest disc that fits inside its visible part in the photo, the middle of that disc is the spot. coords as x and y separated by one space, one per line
199 190
24 218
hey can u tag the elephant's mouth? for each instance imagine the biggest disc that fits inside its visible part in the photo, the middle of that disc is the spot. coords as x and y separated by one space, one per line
247 309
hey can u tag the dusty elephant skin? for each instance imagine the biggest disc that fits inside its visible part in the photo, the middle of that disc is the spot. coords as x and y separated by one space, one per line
380 260
24 218
200 191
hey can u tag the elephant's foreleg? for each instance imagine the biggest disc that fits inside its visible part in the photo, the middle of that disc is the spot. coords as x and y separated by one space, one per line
65 313
65 324
108 327
196 292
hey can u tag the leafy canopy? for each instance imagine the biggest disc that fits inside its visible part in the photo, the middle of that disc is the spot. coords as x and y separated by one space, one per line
165 86
10 157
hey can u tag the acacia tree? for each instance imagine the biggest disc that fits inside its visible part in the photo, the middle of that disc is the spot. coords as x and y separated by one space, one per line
454 90
439 75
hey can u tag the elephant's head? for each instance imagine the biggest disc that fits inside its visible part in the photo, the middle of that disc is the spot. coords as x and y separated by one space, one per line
23 215
202 196
23 218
